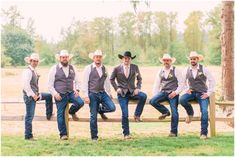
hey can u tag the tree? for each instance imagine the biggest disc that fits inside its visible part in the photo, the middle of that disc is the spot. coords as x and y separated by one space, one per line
12 16
17 44
214 32
227 41
193 34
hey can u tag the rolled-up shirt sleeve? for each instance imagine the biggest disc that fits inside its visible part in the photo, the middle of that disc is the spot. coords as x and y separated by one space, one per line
180 80
77 83
107 85
86 74
157 82
26 77
211 81
51 80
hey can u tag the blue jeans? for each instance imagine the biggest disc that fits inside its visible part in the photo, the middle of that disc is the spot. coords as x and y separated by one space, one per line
107 106
61 105
163 96
30 109
123 101
184 101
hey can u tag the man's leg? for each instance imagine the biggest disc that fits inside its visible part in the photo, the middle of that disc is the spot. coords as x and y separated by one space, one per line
30 108
140 106
61 105
184 101
123 101
49 104
94 104
77 103
174 114
204 111
107 104
155 102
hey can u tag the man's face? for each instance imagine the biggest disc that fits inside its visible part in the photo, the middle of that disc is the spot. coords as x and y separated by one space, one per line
34 63
97 60
64 60
126 60
194 61
167 63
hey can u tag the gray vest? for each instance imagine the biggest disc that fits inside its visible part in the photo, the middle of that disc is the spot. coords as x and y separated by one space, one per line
33 82
199 83
62 83
170 83
96 83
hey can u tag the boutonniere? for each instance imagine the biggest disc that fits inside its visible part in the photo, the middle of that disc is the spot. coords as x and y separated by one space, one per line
200 73
170 75
71 71
105 74
136 74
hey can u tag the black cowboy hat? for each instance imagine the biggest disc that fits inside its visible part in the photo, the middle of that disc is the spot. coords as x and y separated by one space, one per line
126 54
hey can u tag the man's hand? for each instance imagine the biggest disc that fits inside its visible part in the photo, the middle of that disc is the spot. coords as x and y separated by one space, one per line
76 93
204 96
189 91
58 97
119 91
36 97
136 91
172 95
87 100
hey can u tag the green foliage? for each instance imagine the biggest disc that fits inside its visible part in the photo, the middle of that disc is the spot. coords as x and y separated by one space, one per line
5 61
17 44
190 145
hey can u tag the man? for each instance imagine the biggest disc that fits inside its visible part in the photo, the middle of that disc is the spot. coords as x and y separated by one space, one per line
97 91
197 76
168 84
125 75
31 94
64 86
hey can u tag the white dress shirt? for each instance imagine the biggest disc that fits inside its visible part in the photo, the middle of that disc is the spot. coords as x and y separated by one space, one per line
26 78
128 69
206 72
157 82
51 78
86 74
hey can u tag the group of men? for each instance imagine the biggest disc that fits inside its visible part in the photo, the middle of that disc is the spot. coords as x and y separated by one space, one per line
64 87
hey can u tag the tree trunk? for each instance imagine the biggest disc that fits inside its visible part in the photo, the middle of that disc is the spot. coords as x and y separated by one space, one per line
227 41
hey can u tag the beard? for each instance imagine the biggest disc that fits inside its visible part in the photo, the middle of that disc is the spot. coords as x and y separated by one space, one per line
65 64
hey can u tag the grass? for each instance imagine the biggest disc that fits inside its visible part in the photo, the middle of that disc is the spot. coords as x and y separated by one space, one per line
223 145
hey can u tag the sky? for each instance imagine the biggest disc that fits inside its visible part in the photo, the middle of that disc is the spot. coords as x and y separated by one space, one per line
50 16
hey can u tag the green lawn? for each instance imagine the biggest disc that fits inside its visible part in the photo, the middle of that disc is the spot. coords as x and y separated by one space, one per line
223 144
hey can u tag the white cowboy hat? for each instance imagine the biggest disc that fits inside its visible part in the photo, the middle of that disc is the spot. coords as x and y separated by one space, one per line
167 56
96 53
195 54
63 53
33 56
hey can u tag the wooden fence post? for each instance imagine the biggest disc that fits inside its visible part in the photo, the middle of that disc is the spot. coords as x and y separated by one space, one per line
212 113
66 116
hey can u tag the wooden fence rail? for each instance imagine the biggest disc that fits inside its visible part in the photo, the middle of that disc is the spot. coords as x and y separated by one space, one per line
212 117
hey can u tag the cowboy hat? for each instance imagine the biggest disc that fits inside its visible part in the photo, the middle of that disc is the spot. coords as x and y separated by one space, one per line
126 54
63 53
195 54
167 56
96 53
33 56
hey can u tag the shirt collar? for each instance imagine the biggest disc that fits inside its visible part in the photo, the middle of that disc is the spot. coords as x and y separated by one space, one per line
192 67
94 65
126 65
164 69
33 69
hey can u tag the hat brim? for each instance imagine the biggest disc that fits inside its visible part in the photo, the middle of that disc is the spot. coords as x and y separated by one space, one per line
172 60
121 56
200 57
27 60
57 56
91 55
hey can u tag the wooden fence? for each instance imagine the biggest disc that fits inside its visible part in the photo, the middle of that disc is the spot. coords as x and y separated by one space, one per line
212 116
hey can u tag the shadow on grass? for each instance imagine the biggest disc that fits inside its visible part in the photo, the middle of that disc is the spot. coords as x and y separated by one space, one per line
223 144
